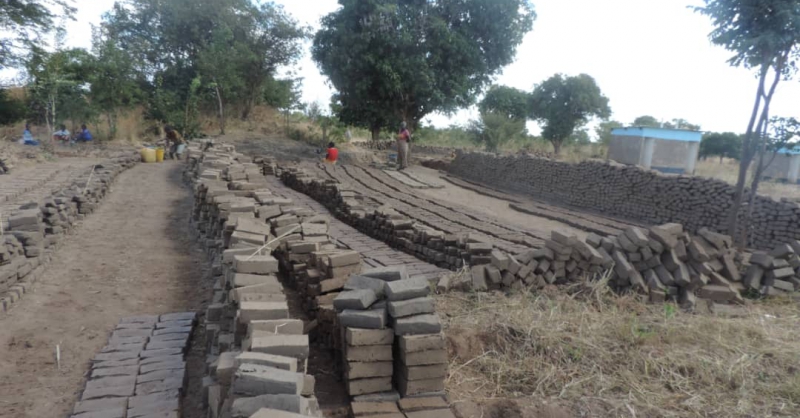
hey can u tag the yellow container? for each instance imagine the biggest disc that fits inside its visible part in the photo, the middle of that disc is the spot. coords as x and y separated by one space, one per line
159 155
148 155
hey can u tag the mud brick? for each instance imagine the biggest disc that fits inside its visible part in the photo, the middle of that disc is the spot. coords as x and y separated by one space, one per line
682 276
371 319
542 253
687 298
782 251
761 259
355 299
431 371
422 404
782 274
558 248
368 386
634 257
268 212
636 236
494 275
157 409
478 274
115 371
158 345
332 285
419 324
656 246
344 258
729 268
785 286
418 306
174 324
752 277
703 268
358 282
117 356
246 280
359 370
697 251
113 364
480 260
717 293
140 319
344 272
622 267
626 243
276 326
361 409
259 264
161 375
252 311
117 347
254 380
281 345
514 265
98 405
423 358
479 248
664 276
369 353
122 333
263 359
416 387
540 268
652 280
563 237
160 353
108 413
500 260
387 274
96 392
670 260
657 296
779 264
594 240
680 251
407 289
719 241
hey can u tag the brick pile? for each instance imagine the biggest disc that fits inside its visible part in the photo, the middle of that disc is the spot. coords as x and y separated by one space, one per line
776 272
141 372
33 230
631 193
248 325
257 354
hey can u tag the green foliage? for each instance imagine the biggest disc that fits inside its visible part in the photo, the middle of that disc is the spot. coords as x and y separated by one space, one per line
784 133
508 101
646 121
494 130
564 103
283 94
12 110
579 137
603 130
24 22
722 145
393 60
681 124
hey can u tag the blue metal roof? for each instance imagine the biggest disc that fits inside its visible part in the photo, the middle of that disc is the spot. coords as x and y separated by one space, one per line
660 133
793 151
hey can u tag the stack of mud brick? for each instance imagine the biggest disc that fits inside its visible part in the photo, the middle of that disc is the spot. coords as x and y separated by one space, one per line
141 372
632 193
256 353
267 164
776 272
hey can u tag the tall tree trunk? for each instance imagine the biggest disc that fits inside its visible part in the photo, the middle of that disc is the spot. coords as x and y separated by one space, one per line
221 109
376 133
556 147
747 156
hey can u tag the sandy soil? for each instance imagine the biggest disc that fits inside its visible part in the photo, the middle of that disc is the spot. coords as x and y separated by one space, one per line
494 207
135 255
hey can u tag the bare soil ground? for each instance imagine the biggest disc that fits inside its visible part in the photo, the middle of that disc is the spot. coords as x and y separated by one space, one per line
134 255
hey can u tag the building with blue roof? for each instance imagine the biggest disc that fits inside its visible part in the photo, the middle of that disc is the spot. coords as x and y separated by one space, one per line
665 150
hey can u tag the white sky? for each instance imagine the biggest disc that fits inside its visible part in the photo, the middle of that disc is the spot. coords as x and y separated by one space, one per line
649 57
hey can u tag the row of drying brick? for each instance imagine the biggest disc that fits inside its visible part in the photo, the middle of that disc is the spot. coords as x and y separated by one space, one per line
141 372
32 231
316 268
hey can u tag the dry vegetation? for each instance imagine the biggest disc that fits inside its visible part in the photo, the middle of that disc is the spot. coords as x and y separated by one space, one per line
608 355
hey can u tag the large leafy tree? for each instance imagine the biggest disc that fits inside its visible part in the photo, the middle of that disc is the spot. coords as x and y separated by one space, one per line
603 130
493 130
646 121
721 144
22 24
763 35
393 60
508 101
564 103
681 124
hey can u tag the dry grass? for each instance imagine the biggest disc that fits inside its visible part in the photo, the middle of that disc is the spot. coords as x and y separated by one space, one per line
594 348
728 172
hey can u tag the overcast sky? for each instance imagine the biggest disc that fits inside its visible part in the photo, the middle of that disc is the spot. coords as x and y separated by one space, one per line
648 57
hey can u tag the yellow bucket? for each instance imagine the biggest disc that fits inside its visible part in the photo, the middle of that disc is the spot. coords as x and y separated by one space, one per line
159 155
148 155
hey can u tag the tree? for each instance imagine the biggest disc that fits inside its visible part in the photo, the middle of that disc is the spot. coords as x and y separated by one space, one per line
646 121
115 84
493 130
579 137
564 103
393 60
681 124
12 110
508 101
23 22
603 130
723 145
763 35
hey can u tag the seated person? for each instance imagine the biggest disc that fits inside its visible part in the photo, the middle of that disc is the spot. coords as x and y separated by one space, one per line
27 137
62 134
332 155
84 135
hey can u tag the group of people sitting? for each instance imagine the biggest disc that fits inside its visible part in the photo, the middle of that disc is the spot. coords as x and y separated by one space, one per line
62 136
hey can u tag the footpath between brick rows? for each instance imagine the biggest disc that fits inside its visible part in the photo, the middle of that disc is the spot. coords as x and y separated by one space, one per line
288 289
133 255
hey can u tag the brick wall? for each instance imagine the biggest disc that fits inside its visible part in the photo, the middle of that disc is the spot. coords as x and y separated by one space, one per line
630 193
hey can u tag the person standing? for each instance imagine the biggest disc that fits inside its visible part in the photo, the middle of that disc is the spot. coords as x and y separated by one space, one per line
174 142
403 140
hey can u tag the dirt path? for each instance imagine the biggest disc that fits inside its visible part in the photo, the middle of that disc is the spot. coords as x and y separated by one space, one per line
135 255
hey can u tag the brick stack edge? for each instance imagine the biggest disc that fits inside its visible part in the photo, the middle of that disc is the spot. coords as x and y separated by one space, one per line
631 193
257 354
33 231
